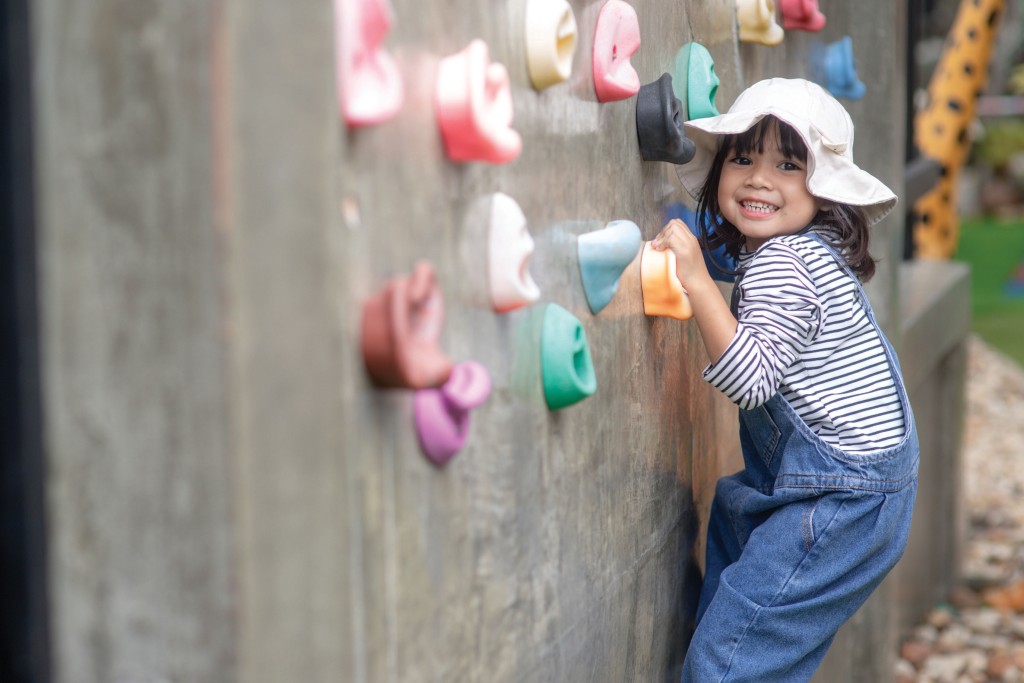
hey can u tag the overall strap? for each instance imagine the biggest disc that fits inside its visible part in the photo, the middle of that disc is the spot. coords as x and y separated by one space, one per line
862 297
734 300
861 294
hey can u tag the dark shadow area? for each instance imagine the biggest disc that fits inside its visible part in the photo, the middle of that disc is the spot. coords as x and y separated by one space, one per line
23 620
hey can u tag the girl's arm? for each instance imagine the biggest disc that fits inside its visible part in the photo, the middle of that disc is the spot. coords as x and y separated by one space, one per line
714 319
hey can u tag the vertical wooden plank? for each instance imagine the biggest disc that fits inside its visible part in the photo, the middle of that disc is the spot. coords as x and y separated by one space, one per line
288 305
131 281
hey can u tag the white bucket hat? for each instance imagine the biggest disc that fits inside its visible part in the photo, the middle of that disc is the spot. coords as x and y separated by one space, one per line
822 123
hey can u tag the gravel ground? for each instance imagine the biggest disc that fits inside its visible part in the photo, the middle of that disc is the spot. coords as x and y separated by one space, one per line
979 635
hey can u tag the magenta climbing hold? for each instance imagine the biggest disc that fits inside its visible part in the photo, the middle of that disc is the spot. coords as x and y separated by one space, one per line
550 41
508 253
401 328
473 102
757 22
802 15
442 415
369 85
616 39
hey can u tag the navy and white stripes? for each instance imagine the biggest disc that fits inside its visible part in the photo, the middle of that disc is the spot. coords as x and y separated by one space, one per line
803 332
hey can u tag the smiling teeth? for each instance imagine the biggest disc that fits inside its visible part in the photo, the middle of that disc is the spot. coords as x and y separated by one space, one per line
759 206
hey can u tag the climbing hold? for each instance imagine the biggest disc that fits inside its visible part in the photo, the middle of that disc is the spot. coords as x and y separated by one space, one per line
550 41
695 82
473 99
840 71
442 416
603 255
757 22
566 367
401 327
369 84
802 15
662 291
509 249
659 124
616 39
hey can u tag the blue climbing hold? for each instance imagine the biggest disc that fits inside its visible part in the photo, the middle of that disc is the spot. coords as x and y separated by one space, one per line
840 71
603 255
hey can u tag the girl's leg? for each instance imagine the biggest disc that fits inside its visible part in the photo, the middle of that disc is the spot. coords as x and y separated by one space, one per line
802 573
724 540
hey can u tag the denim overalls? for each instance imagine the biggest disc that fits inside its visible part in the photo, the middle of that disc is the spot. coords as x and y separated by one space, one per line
797 541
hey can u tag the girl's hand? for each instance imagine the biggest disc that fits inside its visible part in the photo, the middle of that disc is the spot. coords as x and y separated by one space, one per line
716 323
690 264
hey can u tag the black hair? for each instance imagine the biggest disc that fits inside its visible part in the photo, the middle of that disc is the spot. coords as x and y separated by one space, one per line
847 225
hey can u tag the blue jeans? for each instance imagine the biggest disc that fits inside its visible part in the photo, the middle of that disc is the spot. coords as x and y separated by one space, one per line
797 541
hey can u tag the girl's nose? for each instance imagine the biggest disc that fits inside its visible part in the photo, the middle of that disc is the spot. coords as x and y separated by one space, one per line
759 176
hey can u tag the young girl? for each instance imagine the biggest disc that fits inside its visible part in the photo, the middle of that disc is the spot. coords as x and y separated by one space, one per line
821 511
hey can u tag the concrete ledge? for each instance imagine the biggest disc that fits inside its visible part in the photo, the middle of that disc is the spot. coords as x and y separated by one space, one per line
935 314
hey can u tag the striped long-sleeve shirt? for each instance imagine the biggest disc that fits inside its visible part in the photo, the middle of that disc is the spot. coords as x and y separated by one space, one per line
803 332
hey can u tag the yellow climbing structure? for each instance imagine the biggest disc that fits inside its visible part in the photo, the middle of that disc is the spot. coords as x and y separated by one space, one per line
941 130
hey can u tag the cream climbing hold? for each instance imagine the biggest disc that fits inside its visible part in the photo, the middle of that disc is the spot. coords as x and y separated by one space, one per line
550 41
757 22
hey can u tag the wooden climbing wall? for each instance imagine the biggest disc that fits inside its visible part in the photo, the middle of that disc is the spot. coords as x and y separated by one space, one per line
229 497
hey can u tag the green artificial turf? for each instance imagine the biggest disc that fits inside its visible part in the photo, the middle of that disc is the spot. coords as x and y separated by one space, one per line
994 248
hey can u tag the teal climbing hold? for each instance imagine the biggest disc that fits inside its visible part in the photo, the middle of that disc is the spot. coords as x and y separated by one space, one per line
603 255
695 82
566 368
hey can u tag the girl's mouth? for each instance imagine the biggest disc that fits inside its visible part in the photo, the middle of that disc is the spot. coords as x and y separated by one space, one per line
759 208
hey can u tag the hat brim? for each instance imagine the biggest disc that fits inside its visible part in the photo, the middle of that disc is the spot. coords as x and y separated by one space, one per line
831 175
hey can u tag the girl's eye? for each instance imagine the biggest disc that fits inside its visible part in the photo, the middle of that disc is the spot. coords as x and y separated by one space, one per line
741 160
789 166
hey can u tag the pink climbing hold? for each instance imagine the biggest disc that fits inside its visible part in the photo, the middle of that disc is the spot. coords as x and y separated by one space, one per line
369 85
473 101
616 39
802 15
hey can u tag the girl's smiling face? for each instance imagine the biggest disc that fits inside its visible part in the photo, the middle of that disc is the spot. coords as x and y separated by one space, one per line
763 186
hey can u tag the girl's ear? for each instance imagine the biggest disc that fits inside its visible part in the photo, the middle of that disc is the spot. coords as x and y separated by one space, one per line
825 206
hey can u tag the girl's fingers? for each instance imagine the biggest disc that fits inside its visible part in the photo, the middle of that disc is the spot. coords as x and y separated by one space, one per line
673 228
659 241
